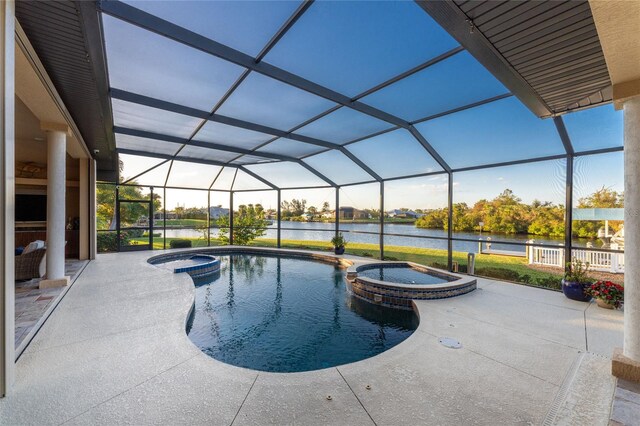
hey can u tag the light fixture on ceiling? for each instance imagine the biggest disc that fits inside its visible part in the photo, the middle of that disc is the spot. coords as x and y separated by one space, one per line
472 26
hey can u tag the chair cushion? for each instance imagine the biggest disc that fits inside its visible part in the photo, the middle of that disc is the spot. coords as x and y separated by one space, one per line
34 245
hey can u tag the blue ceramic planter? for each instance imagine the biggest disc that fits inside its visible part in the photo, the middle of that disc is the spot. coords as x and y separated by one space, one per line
575 290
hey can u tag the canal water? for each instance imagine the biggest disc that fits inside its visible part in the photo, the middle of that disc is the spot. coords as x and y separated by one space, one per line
395 235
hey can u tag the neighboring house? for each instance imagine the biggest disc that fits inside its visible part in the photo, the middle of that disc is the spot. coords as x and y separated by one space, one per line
410 214
351 213
142 221
216 212
329 215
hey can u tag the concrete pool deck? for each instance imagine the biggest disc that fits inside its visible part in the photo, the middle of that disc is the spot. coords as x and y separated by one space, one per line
115 351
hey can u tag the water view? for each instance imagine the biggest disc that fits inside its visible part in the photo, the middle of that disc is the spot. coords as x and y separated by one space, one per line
405 235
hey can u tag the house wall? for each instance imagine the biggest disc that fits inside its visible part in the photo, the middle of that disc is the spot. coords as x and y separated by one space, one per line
31 178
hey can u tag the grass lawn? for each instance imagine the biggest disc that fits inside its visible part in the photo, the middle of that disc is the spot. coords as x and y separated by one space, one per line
186 222
507 268
495 266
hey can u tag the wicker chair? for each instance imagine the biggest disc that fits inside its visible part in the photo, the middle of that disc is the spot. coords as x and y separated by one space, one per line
30 265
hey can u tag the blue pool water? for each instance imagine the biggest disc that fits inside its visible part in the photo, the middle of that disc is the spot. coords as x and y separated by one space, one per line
402 275
286 315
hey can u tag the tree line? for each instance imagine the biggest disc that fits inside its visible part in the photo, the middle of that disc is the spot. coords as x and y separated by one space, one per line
507 214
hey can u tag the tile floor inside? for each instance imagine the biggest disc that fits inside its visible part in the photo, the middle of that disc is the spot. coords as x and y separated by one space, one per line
33 303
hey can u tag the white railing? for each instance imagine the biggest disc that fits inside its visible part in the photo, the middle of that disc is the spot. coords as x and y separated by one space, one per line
598 260
546 256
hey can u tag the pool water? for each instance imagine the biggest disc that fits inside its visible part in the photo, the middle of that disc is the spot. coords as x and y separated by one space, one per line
286 315
402 275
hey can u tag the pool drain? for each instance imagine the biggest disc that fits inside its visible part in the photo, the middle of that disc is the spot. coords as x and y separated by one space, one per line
450 342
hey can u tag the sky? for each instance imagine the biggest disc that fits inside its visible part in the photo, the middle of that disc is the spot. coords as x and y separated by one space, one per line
348 47
542 181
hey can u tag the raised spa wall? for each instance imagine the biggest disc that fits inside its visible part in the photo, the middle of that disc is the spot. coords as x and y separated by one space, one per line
399 295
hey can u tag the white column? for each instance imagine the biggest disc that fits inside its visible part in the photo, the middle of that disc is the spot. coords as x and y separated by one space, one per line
93 249
7 201
631 348
56 199
84 196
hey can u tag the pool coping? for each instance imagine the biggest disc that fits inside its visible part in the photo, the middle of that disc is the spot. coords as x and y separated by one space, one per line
221 250
209 265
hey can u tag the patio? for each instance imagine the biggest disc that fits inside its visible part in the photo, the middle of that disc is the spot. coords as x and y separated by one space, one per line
115 351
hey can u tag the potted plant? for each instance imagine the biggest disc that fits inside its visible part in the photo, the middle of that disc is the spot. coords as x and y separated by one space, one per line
608 295
576 281
339 243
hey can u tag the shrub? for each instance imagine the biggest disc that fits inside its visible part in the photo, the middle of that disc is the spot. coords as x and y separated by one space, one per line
180 243
511 275
134 233
108 241
499 273
549 282
439 265
249 224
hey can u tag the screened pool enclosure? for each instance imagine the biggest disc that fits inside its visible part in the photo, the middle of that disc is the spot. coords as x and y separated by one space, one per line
389 129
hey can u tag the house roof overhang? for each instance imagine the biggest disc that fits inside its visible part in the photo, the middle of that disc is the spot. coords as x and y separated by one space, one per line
548 54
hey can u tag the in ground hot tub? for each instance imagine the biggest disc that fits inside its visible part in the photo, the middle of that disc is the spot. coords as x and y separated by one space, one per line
195 265
396 284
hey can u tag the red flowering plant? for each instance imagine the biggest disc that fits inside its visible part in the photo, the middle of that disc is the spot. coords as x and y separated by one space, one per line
608 292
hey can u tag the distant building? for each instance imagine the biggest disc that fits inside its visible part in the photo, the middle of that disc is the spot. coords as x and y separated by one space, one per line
160 216
328 215
216 212
142 221
405 214
351 213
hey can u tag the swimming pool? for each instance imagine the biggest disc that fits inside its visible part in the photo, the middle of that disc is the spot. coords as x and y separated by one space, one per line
284 314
